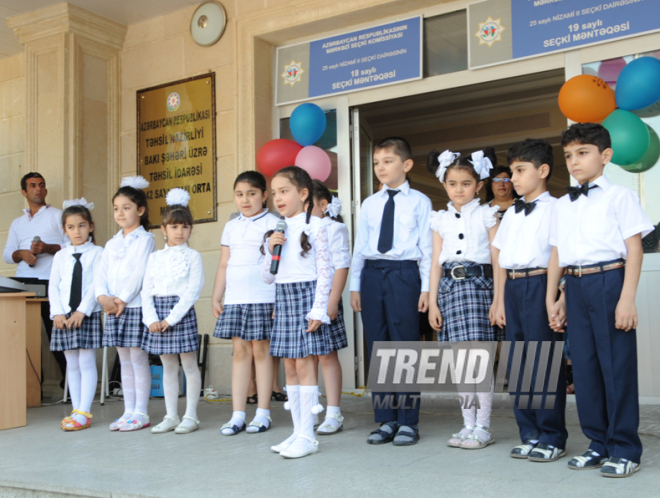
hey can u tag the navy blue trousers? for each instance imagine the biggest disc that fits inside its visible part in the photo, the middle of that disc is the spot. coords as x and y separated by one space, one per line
390 297
527 320
604 365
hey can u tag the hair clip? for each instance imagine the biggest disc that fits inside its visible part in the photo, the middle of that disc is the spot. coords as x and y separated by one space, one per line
136 182
482 165
444 161
78 202
334 208
177 196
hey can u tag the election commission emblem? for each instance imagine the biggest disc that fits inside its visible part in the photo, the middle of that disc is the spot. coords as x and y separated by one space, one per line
173 101
490 31
292 73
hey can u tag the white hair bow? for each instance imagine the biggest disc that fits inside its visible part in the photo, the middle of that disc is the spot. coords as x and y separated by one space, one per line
334 208
481 163
136 182
177 196
444 160
78 202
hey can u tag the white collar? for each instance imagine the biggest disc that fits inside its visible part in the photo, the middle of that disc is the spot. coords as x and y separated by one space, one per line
178 247
82 247
602 182
256 217
29 213
467 208
544 197
404 188
139 231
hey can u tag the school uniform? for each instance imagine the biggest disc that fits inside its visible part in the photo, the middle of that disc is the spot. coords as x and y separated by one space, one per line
62 297
302 290
390 268
341 258
523 239
248 305
466 287
591 230
120 273
172 284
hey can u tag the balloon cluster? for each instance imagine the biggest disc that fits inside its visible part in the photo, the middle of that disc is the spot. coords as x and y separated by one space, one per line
588 99
307 124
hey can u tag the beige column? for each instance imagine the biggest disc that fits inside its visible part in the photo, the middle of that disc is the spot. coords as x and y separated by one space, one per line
73 104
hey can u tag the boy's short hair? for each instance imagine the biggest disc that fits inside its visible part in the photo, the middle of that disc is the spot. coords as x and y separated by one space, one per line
532 150
26 177
587 134
399 145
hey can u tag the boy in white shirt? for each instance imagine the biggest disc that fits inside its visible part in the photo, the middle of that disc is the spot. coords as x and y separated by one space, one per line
524 252
597 232
390 276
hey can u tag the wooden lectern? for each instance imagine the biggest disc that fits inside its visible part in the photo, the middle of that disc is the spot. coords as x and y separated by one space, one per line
20 357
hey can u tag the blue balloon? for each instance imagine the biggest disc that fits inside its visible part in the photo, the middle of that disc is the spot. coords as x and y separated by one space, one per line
638 85
307 124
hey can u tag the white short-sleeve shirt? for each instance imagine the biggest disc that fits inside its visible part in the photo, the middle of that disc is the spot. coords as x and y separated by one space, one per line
593 228
244 237
524 240
465 234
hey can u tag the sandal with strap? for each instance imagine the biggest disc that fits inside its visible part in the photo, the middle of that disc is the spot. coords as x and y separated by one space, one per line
523 450
234 429
587 461
279 396
74 425
132 424
67 419
619 467
259 426
458 438
481 443
184 427
406 436
252 400
385 437
168 424
328 428
545 452
293 452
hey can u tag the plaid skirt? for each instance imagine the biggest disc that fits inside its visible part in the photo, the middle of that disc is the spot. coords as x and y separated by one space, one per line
464 306
124 331
288 339
335 333
87 336
250 322
180 338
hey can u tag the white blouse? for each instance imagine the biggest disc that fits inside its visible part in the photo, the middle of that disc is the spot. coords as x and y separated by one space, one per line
121 269
61 276
338 242
244 237
465 234
173 271
315 265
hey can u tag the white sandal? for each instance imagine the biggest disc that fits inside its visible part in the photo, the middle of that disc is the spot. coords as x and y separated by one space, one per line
187 427
458 438
168 424
481 443
328 428
298 453
132 425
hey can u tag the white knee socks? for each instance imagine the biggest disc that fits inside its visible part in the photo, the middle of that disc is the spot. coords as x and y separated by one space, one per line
73 376
293 405
82 380
193 382
309 406
171 383
142 372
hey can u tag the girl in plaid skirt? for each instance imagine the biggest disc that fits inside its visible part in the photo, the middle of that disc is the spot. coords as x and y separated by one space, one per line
246 316
75 313
118 282
172 284
462 306
303 279
328 208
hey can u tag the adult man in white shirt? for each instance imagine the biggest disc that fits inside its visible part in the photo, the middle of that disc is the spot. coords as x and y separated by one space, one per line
34 259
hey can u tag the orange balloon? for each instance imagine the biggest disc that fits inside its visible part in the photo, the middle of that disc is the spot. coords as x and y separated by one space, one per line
586 99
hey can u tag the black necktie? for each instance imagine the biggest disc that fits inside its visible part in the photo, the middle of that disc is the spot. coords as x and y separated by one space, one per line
520 205
575 192
387 224
76 284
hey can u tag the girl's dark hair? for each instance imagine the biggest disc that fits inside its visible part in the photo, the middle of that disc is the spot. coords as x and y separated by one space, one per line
177 214
82 211
300 179
255 179
137 197
496 171
321 192
460 163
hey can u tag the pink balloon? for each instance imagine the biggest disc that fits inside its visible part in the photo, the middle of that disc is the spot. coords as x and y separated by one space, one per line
609 70
315 161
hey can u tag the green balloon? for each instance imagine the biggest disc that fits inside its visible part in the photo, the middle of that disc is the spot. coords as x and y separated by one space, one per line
650 158
630 137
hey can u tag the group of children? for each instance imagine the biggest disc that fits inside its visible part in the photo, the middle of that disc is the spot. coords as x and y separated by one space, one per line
548 262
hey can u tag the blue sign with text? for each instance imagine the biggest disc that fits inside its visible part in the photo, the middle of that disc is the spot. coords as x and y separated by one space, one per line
542 26
382 55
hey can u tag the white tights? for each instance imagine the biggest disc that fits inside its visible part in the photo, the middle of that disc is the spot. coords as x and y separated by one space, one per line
171 383
135 380
82 377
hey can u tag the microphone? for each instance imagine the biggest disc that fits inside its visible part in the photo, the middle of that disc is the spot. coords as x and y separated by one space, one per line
36 239
277 250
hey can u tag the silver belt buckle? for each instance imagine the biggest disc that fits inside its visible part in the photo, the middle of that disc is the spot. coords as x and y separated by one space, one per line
454 276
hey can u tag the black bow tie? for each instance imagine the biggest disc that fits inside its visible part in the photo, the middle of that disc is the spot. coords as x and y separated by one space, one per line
520 205
575 192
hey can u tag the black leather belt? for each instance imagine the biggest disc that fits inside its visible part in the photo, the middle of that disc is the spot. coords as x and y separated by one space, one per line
463 272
